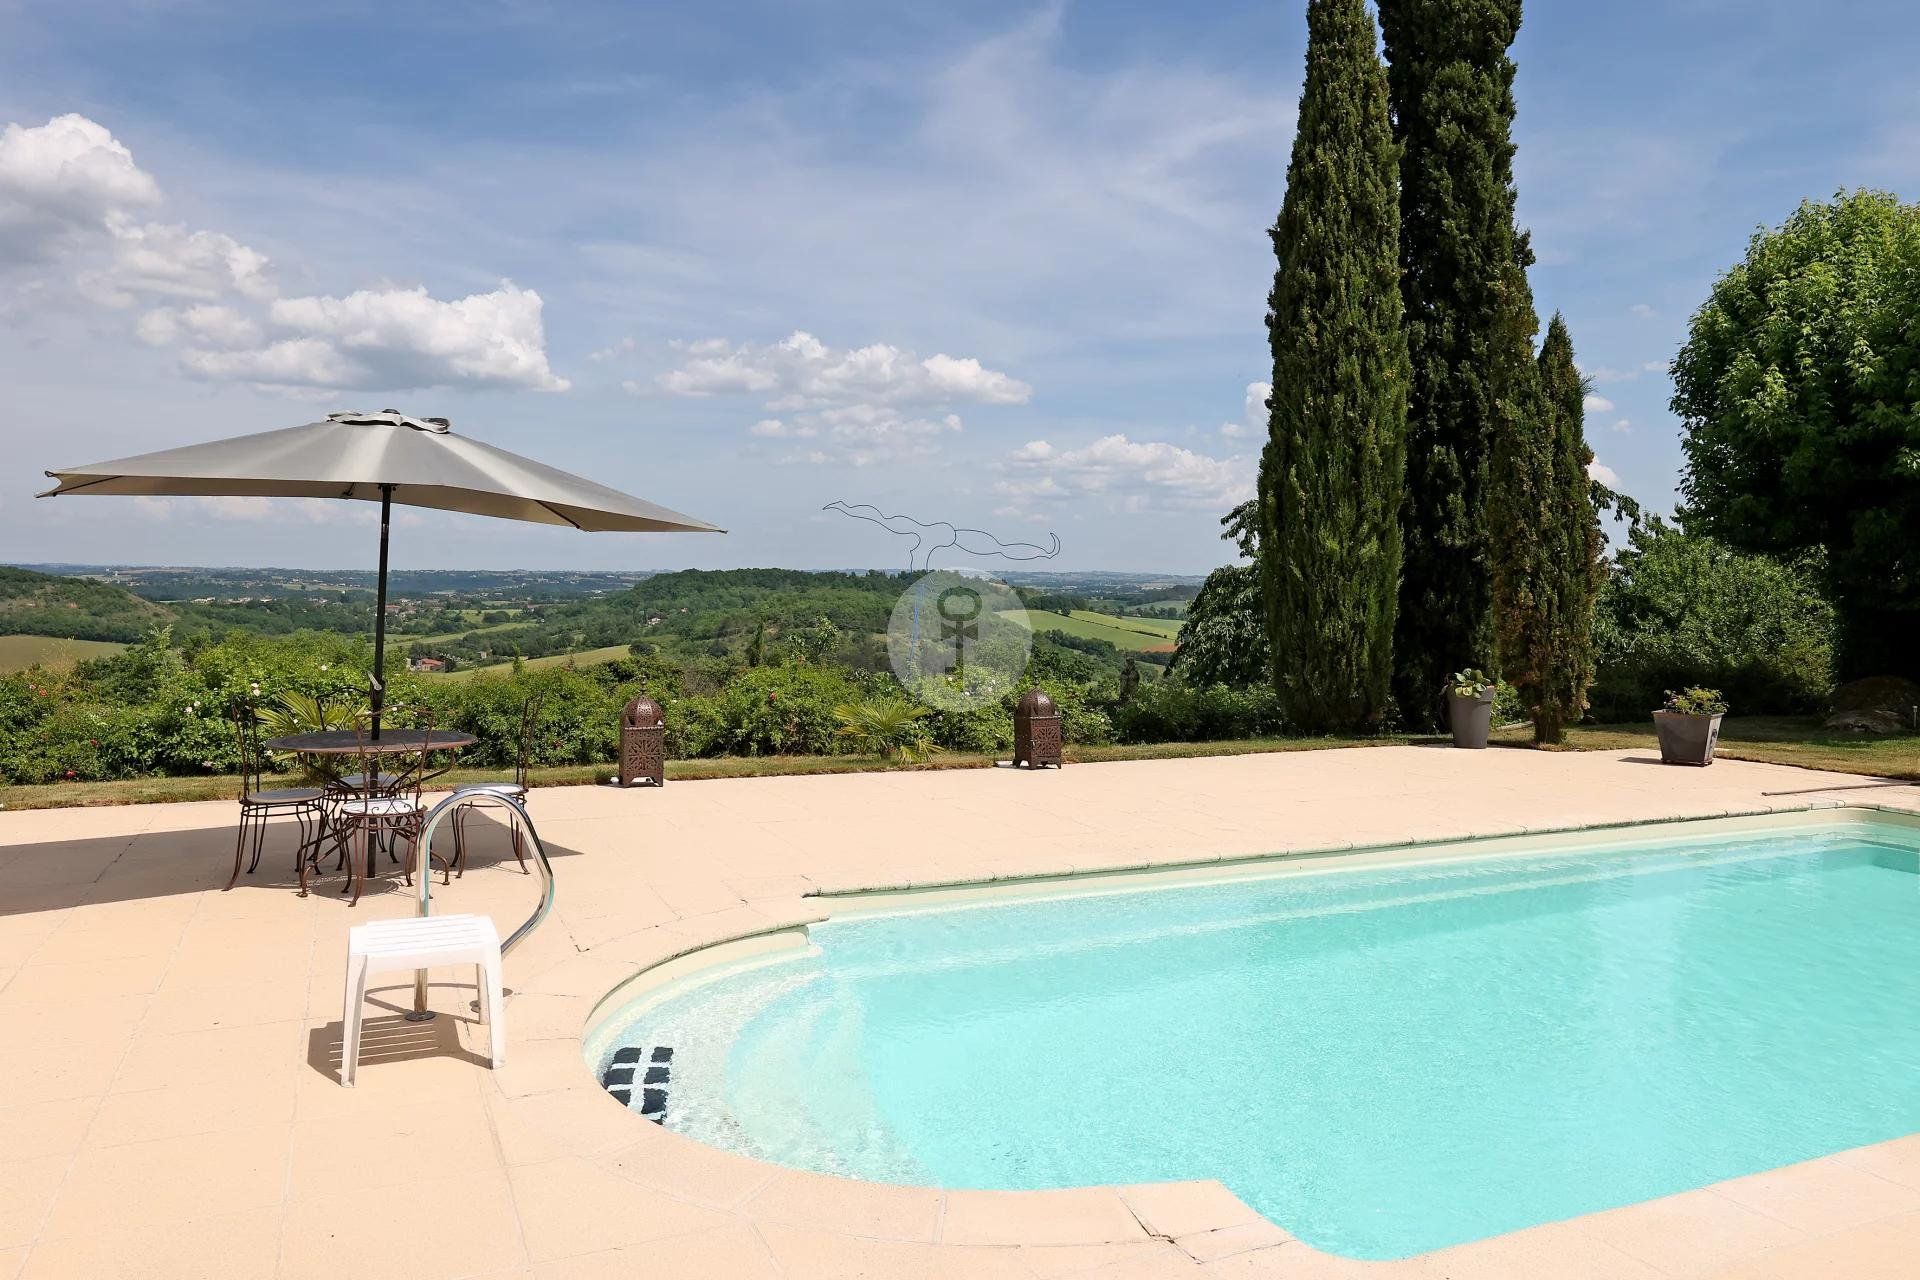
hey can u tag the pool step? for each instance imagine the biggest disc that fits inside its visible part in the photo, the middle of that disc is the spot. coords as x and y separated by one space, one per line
641 1070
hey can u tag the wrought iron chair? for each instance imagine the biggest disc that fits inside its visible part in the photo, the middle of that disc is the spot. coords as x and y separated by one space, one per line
259 804
369 818
514 793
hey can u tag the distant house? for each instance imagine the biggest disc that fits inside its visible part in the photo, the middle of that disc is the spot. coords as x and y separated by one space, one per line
428 664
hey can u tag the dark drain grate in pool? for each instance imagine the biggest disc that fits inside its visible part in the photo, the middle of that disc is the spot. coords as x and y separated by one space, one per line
652 1069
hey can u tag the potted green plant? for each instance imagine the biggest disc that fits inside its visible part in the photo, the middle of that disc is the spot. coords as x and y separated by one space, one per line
1689 726
1470 708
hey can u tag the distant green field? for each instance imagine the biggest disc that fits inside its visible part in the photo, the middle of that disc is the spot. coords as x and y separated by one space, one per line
17 653
1141 635
584 658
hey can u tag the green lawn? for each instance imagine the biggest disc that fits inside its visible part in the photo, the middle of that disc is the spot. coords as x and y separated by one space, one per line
17 653
1136 634
1777 740
1773 739
584 658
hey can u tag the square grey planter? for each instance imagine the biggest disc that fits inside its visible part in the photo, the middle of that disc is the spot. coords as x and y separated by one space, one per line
1686 739
1471 719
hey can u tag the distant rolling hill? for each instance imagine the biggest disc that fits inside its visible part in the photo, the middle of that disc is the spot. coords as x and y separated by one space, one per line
40 604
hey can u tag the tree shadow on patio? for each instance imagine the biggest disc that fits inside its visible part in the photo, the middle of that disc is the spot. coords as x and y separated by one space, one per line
53 875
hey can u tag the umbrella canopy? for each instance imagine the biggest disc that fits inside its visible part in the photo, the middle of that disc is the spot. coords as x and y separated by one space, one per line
417 462
383 457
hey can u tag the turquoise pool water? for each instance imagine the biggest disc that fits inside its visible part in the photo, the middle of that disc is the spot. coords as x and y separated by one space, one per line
1382 1061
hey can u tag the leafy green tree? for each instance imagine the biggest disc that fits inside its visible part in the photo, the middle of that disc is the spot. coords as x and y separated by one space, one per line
1331 474
1799 389
1451 84
1547 545
1680 609
1224 638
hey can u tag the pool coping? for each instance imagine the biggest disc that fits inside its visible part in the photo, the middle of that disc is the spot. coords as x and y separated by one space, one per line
1203 1219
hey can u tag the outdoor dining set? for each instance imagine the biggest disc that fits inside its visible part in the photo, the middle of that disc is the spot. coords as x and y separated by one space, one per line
377 807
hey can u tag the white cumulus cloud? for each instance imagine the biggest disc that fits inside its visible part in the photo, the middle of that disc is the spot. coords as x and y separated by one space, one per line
59 184
858 405
800 372
1606 475
157 259
405 337
1598 404
1136 475
71 192
1253 414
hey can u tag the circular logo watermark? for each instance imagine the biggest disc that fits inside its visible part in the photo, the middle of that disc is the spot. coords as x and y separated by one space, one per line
958 641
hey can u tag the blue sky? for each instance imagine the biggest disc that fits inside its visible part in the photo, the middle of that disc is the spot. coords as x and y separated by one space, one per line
1001 264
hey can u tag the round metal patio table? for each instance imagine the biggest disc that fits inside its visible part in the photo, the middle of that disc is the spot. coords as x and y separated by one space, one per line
391 742
346 742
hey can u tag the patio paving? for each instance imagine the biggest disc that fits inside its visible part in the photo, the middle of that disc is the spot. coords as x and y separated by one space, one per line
168 1052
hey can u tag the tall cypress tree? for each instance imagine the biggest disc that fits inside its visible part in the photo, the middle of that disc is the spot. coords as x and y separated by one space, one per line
1548 545
1451 85
1331 473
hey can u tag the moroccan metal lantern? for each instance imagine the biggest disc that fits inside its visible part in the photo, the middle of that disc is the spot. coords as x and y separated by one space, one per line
643 743
1036 730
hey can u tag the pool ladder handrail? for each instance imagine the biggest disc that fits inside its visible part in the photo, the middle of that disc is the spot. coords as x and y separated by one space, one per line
514 802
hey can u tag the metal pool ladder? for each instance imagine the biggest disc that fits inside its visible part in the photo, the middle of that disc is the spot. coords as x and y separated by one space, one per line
517 814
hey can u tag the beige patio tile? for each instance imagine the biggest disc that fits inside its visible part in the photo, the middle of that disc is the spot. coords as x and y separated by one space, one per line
1297 1261
86 979
1884 1250
171 1179
1896 1161
536 1016
824 1255
1821 1195
1691 1234
40 1067
568 1206
541 1066
35 1129
733 1252
83 939
11 1262
1174 1209
27 1189
1556 1251
705 1175
1059 1261
580 1121
1092 1215
409 1145
853 1208
182 1107
438 1231
239 1246
207 1008
261 1051
1211 1246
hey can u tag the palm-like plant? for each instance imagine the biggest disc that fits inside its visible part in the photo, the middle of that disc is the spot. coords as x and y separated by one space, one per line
304 713
888 728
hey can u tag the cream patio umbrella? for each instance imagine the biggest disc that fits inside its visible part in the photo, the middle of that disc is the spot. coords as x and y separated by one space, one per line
383 457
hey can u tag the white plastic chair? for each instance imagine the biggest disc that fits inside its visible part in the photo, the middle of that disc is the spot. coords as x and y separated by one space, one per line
388 946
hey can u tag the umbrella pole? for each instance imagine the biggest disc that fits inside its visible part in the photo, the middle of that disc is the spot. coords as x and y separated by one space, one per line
380 614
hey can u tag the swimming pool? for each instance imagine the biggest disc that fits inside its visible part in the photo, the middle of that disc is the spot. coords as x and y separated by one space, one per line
1383 1060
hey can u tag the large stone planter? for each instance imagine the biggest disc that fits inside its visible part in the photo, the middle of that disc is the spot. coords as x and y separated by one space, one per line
1686 739
1471 718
